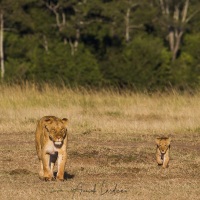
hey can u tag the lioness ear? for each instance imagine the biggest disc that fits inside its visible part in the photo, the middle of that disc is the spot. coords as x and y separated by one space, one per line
47 121
65 121
157 141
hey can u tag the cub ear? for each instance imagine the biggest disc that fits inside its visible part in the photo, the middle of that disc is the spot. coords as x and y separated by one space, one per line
65 121
169 140
157 140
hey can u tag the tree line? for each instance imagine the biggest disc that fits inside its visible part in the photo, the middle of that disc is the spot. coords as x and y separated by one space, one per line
141 44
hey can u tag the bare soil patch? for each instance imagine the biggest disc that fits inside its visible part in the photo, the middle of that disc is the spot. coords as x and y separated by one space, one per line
102 169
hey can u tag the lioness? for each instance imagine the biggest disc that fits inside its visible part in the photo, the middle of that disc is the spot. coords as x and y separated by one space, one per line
51 143
162 151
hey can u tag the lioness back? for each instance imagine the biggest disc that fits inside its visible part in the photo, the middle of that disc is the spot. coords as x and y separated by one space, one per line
51 143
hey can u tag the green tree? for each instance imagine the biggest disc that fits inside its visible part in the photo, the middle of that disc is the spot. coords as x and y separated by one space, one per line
186 69
141 65
174 18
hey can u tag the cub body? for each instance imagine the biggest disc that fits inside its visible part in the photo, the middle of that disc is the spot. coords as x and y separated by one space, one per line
51 144
162 151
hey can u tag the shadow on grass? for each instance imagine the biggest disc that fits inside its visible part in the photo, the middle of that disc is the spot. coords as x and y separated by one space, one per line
20 172
66 175
26 172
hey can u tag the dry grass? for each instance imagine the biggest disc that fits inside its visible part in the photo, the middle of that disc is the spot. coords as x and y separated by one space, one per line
111 148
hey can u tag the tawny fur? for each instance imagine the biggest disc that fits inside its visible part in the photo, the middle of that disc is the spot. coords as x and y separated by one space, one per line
162 151
51 144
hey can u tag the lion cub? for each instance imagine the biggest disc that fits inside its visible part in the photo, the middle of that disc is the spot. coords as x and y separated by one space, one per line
51 143
162 151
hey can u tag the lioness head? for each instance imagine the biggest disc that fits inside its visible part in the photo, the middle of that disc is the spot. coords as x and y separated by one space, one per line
56 128
163 144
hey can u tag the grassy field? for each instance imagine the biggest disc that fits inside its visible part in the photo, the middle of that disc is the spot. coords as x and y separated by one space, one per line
111 144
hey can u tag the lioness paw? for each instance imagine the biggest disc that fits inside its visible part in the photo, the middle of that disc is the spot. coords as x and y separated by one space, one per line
59 179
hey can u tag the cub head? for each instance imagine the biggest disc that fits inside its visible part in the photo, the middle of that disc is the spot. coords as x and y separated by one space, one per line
163 144
56 128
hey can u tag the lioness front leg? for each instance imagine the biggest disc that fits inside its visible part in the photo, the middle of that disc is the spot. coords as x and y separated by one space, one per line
41 172
62 157
47 171
53 158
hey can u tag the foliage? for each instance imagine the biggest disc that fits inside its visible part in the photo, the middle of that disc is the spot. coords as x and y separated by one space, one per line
100 42
144 64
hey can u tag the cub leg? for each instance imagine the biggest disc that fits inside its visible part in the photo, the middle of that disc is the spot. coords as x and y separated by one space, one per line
166 161
62 157
158 159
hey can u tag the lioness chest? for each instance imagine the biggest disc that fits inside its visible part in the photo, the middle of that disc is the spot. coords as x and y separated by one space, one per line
51 148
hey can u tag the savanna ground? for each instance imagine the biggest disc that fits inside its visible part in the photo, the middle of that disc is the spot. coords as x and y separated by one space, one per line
111 144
